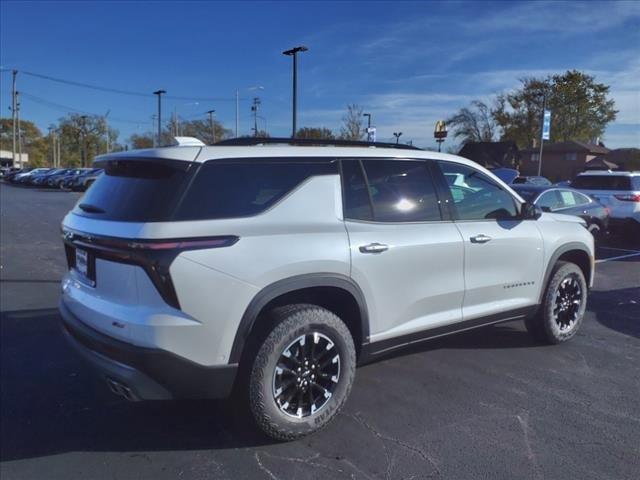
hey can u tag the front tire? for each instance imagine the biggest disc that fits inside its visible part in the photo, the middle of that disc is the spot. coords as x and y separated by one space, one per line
563 305
302 373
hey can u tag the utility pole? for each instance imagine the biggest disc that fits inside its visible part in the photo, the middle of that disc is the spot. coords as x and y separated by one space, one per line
58 138
19 128
106 126
254 109
13 117
237 112
368 115
159 93
53 146
212 126
294 53
83 146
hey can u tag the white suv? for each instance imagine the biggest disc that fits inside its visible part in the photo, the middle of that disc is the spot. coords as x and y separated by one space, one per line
271 269
618 191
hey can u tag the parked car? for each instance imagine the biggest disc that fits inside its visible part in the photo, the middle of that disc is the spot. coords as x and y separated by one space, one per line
23 177
568 202
507 175
618 191
532 180
67 182
42 178
9 172
54 179
83 181
276 267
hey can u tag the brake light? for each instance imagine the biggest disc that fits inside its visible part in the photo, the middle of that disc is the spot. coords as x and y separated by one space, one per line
629 197
186 244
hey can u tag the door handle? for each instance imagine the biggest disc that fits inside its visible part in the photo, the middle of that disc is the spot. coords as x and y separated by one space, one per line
480 239
374 248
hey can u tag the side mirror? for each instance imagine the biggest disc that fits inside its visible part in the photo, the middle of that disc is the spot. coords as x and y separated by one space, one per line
546 209
530 211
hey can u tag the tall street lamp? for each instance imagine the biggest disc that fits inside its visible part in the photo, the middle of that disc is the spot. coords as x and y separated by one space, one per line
294 53
397 135
159 93
212 125
83 135
368 115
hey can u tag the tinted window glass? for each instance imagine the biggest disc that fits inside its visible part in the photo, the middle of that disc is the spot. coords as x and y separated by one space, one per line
476 196
401 191
580 199
602 182
357 204
136 191
227 190
550 200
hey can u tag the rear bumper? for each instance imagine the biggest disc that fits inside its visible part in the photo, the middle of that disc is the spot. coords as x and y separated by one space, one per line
140 373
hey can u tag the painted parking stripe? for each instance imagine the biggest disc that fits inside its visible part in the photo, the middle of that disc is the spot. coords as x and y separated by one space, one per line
620 249
618 258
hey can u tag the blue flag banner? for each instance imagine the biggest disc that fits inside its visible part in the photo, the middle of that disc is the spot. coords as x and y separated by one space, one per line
546 125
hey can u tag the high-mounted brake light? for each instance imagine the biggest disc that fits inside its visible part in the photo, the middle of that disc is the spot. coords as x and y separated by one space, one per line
628 197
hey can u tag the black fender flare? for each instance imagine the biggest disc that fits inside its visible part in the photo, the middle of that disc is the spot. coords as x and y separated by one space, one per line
567 247
291 284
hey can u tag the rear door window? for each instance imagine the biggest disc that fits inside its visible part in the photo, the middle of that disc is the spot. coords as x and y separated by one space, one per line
389 191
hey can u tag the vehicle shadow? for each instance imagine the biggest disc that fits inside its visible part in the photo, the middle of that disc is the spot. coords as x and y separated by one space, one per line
52 402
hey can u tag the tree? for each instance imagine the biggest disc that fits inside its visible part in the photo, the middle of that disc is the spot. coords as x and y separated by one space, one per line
474 123
143 140
315 133
33 143
353 124
201 129
580 109
82 138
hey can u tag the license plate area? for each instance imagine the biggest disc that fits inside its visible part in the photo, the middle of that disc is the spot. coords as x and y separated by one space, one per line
84 266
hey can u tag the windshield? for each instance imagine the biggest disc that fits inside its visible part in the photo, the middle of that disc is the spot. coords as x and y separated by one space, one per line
605 182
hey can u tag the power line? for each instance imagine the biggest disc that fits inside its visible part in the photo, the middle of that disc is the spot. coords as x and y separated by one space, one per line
120 92
66 108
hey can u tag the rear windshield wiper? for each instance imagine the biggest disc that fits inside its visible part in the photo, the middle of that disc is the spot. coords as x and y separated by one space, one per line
87 207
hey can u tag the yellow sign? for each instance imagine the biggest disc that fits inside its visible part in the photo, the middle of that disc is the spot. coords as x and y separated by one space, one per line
441 129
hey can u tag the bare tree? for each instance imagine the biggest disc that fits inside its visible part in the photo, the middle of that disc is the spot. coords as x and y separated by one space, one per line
353 124
315 133
474 123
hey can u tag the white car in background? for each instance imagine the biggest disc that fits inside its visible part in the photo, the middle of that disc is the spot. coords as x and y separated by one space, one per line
619 192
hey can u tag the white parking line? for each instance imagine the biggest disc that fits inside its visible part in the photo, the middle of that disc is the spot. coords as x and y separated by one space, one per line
620 249
618 258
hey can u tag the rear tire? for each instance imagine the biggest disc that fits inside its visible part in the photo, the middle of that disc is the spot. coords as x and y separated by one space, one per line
302 373
563 305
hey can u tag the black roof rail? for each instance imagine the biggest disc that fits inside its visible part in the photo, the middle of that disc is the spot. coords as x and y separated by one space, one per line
309 142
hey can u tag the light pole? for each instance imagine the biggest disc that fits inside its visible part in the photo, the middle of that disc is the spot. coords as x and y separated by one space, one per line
159 93
294 53
544 108
397 135
368 115
212 125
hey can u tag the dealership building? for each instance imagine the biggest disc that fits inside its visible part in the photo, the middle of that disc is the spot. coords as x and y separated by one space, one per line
6 159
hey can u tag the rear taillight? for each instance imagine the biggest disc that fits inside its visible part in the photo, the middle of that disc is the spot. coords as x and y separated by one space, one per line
185 244
628 197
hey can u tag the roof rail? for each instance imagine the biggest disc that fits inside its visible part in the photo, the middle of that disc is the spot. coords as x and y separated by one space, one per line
308 142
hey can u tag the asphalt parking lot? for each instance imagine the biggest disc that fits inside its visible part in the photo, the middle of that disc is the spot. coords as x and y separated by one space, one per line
485 404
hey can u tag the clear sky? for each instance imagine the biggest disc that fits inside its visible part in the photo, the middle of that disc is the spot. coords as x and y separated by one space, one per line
408 63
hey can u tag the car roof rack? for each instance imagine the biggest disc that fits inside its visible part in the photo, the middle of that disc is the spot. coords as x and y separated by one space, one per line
309 142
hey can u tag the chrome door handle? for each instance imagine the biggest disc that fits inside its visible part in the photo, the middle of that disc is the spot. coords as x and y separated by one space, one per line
480 239
374 248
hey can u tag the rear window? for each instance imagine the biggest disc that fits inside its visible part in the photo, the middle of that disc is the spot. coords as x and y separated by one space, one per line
136 191
229 190
605 182
146 191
